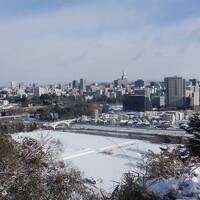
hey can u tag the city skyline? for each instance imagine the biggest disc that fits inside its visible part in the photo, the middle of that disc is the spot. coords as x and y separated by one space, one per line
77 82
62 41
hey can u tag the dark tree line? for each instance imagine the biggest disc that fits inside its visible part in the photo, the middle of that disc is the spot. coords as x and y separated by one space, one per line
14 126
65 107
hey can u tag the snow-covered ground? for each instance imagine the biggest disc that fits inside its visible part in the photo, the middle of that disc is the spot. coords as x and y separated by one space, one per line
185 187
103 158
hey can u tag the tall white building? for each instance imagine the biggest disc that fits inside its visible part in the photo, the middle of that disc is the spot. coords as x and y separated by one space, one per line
192 93
38 91
124 76
13 84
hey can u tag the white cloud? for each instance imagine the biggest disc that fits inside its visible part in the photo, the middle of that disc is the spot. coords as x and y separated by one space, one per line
96 42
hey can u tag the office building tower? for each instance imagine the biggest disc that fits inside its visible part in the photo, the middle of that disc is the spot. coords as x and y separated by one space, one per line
38 91
193 95
122 82
83 84
75 84
13 84
175 92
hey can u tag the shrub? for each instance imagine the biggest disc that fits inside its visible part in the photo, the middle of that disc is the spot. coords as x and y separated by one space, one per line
28 172
132 187
165 164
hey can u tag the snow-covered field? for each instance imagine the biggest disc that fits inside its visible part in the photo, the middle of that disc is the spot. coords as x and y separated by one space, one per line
103 158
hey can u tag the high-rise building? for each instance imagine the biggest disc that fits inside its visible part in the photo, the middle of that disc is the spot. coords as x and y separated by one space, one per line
38 91
175 92
124 76
122 82
75 84
83 84
193 95
13 84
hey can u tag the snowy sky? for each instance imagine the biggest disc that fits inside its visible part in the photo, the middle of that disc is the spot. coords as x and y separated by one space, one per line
61 40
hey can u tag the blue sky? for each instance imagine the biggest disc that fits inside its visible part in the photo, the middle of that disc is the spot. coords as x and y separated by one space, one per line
62 40
164 11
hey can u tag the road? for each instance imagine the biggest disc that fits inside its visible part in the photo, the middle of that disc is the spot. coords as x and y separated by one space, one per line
13 116
127 130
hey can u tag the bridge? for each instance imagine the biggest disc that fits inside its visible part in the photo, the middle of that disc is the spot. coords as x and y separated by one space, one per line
54 125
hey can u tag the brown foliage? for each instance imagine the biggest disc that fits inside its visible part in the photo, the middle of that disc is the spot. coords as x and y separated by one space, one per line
27 172
13 126
132 188
165 164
